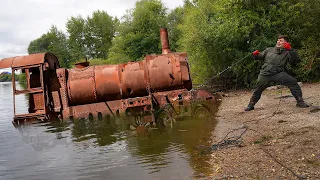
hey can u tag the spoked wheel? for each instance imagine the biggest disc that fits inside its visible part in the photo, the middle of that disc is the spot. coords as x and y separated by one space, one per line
164 119
201 112
140 125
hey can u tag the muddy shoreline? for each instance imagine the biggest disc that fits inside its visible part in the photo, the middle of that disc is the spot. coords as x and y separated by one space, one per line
282 141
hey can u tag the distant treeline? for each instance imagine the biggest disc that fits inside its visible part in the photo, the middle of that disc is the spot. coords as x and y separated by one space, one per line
8 77
215 34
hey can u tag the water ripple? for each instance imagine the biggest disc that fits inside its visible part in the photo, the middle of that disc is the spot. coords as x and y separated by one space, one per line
95 150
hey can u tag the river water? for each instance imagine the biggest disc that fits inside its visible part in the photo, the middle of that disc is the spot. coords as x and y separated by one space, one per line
99 149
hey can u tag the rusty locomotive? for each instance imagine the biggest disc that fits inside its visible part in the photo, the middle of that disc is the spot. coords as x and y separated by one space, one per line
156 89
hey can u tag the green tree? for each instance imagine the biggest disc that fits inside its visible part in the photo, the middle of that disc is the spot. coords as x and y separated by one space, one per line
138 33
76 42
218 33
91 37
53 41
5 77
309 38
99 32
175 18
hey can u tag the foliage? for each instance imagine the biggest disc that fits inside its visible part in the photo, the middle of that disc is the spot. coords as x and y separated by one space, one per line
76 41
5 78
91 37
100 31
215 34
98 61
21 78
54 41
309 37
218 33
175 18
138 34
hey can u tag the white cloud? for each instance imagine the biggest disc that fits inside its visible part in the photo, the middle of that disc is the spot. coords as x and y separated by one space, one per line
22 21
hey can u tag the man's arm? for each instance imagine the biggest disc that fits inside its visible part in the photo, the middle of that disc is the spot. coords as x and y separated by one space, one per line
294 58
261 55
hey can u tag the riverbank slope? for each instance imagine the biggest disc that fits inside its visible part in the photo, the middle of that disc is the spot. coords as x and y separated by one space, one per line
282 141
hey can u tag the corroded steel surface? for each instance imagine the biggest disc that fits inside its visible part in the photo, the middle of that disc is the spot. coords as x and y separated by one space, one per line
133 79
114 82
82 86
6 63
140 89
29 60
164 41
107 80
37 102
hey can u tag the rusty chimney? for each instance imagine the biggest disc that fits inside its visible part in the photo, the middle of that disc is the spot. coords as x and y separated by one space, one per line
164 41
81 65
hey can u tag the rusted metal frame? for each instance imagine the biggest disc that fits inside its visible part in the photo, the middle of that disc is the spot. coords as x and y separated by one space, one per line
120 70
61 73
110 109
42 86
63 83
31 59
94 85
164 41
68 89
171 104
29 115
26 67
28 91
146 69
138 101
27 78
120 82
13 90
83 111
120 85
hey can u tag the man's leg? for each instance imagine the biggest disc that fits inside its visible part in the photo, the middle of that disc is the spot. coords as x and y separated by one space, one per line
287 80
262 84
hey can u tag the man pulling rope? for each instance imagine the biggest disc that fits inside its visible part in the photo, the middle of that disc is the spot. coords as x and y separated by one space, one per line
273 70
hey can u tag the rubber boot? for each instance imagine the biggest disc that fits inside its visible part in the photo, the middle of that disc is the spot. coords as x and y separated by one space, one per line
301 103
250 106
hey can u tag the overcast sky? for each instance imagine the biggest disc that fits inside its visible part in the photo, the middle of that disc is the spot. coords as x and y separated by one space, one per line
22 21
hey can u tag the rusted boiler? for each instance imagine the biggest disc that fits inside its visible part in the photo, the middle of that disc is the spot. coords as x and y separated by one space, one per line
158 87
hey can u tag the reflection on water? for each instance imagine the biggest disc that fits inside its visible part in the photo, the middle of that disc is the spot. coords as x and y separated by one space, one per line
101 149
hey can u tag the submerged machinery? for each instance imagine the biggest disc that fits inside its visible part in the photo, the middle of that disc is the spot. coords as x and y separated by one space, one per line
156 89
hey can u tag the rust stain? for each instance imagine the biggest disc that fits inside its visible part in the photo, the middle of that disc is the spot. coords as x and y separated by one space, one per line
141 89
6 63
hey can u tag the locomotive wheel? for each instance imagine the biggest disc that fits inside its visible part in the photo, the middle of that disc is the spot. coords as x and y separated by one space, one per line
201 112
164 119
138 121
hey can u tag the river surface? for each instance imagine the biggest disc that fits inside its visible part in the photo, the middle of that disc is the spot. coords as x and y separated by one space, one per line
99 149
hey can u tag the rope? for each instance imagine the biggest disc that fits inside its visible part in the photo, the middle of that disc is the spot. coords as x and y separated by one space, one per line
226 69
281 164
233 141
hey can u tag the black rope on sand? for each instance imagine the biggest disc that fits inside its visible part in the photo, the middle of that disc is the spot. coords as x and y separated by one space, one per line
231 141
237 140
226 142
281 164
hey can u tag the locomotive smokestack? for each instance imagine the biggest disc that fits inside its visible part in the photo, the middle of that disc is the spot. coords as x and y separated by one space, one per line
164 41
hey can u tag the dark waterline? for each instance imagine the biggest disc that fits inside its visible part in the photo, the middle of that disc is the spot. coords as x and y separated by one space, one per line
98 149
